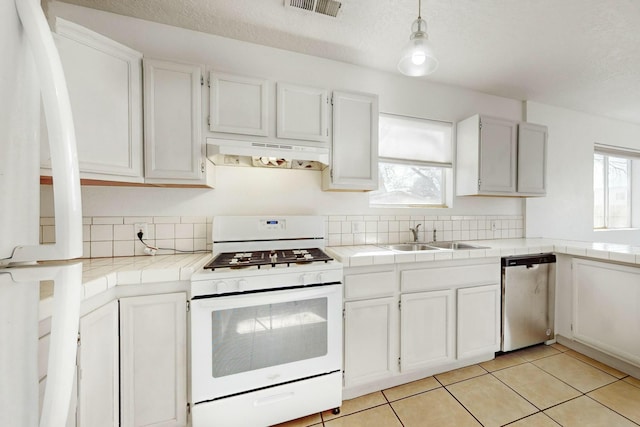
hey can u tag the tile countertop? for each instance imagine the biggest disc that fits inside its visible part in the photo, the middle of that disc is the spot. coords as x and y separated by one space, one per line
356 256
100 274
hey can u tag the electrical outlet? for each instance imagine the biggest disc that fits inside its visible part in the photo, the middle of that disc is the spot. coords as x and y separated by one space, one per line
141 226
494 225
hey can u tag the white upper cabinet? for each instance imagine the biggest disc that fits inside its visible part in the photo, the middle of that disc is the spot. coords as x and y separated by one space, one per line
354 157
301 112
238 104
532 159
173 145
104 82
498 157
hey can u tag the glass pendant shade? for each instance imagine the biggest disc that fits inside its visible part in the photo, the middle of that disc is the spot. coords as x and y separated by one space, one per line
417 57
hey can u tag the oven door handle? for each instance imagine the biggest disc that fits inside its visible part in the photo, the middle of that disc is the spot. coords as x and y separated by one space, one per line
266 297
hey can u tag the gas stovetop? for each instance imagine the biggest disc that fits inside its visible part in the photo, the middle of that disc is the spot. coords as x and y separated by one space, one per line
270 258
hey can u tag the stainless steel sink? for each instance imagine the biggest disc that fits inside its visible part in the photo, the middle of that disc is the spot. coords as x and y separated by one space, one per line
411 247
456 245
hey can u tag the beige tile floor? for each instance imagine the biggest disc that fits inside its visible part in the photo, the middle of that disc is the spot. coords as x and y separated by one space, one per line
535 387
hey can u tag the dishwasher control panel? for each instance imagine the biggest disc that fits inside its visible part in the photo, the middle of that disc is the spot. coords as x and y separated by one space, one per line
513 261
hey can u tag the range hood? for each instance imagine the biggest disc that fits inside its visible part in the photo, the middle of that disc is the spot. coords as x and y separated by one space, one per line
216 146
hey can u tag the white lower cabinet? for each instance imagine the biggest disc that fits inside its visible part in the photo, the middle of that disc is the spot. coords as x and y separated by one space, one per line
98 378
408 321
132 367
478 320
153 366
606 307
427 329
369 335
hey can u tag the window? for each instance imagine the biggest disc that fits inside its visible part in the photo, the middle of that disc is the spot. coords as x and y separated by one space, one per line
414 163
612 187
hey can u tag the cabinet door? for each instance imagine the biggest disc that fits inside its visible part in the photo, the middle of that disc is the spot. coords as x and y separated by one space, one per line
532 158
497 156
98 377
606 298
427 331
172 139
104 82
153 372
369 339
478 320
301 112
238 104
354 159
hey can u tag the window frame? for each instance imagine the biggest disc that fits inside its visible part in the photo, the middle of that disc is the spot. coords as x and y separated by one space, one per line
446 168
630 156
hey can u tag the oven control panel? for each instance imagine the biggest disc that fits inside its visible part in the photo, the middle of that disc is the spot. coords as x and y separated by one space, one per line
273 224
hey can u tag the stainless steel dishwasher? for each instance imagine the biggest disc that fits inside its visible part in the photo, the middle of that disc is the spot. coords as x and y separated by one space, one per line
528 300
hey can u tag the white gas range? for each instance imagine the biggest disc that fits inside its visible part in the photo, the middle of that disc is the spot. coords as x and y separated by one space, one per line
266 323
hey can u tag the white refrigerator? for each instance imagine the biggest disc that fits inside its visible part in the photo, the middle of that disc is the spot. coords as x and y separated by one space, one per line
31 74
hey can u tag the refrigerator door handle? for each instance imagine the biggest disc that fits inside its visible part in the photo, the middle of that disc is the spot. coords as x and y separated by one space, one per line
67 294
62 141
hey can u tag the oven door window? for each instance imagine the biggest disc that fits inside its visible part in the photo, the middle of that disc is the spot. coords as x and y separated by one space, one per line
249 338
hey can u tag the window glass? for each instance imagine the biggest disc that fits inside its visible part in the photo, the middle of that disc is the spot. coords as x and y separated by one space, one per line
619 202
405 184
598 191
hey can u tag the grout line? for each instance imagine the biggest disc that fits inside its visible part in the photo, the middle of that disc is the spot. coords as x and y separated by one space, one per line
396 414
465 408
611 409
535 413
534 405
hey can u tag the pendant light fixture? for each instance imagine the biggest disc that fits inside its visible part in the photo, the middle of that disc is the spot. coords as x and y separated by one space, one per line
417 58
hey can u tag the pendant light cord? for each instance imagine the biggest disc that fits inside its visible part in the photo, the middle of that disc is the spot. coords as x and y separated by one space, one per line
419 9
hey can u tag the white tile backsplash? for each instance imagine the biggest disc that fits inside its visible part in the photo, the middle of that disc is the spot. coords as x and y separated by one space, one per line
116 237
389 229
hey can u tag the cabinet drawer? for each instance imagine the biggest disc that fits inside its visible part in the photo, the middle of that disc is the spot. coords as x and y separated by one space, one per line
446 277
369 285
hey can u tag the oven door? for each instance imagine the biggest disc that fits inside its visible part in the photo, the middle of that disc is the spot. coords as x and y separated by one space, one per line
245 342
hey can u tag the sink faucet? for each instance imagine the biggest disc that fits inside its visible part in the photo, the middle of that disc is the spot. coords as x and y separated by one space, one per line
415 232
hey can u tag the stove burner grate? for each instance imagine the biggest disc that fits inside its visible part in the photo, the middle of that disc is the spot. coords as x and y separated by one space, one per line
236 260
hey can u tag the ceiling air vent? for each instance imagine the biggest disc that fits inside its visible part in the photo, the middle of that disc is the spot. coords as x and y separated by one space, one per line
324 7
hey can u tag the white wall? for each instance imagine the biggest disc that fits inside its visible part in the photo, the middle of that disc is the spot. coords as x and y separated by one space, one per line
251 190
567 211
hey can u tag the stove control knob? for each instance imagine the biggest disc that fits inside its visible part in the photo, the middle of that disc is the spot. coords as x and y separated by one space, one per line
243 285
227 287
321 277
305 279
222 287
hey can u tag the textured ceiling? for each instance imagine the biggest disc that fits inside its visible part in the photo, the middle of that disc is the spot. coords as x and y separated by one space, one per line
579 54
